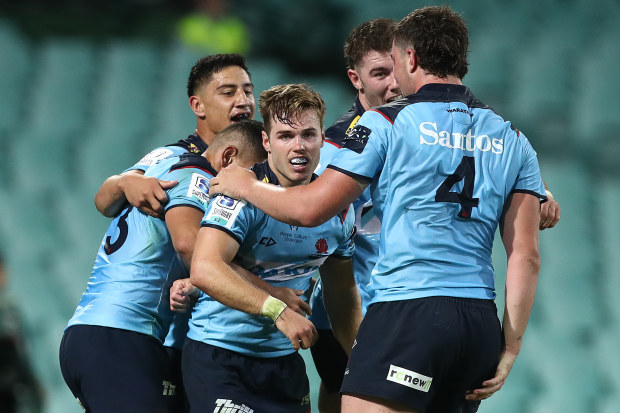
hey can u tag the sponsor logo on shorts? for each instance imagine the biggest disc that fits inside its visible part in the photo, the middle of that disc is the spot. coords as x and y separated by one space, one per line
228 406
169 388
409 378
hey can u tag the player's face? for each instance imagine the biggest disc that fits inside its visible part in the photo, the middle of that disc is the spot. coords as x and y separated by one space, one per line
294 150
227 98
375 79
399 57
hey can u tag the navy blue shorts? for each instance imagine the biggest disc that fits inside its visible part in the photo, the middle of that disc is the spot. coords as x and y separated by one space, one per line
220 380
110 370
425 353
330 360
181 405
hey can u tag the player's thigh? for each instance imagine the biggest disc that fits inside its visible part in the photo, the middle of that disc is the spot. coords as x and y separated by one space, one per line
330 360
218 379
114 370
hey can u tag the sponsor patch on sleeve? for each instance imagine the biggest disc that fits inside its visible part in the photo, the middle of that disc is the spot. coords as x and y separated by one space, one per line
224 211
155 156
356 138
199 188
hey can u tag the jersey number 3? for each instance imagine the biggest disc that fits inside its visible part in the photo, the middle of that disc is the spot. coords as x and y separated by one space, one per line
466 170
123 229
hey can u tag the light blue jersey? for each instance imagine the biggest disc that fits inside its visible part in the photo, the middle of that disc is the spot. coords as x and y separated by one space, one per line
440 165
130 283
281 254
192 144
367 224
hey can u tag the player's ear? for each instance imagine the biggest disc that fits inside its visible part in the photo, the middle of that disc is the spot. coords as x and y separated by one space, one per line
229 155
266 143
412 60
354 77
322 138
197 106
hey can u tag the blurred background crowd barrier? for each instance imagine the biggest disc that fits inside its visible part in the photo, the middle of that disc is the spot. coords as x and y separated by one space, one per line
86 88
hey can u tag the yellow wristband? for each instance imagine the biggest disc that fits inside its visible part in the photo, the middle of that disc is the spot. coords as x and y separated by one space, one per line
272 308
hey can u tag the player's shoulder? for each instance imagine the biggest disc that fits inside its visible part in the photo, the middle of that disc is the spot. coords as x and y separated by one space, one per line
264 173
192 161
192 144
337 131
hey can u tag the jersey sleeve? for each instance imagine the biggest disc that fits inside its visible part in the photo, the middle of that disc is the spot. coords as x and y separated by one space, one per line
364 148
155 156
192 189
529 179
347 246
232 216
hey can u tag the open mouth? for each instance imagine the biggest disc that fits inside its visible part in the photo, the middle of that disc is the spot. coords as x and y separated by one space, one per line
240 117
393 98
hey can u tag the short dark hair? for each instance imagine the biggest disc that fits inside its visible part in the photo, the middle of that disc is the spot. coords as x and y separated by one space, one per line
375 34
204 69
246 133
286 102
439 37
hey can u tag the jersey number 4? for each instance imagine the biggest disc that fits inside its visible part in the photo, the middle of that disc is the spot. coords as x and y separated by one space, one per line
467 171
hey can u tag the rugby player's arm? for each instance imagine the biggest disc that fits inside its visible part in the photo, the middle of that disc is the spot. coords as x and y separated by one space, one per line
211 271
342 299
519 230
304 205
144 192
183 223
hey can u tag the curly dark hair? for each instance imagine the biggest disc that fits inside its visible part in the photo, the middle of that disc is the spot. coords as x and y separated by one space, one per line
372 35
439 37
204 69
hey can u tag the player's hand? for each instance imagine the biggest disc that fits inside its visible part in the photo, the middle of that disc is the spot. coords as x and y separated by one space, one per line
506 361
232 181
292 298
297 328
183 295
147 193
549 213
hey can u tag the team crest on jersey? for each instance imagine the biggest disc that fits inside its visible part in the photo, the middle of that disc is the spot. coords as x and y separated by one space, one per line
321 246
199 188
224 211
356 138
155 156
193 149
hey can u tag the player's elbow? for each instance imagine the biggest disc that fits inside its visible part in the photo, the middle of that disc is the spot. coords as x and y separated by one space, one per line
200 273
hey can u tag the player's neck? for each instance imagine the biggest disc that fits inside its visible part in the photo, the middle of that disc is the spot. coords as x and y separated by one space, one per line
205 134
363 101
428 79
